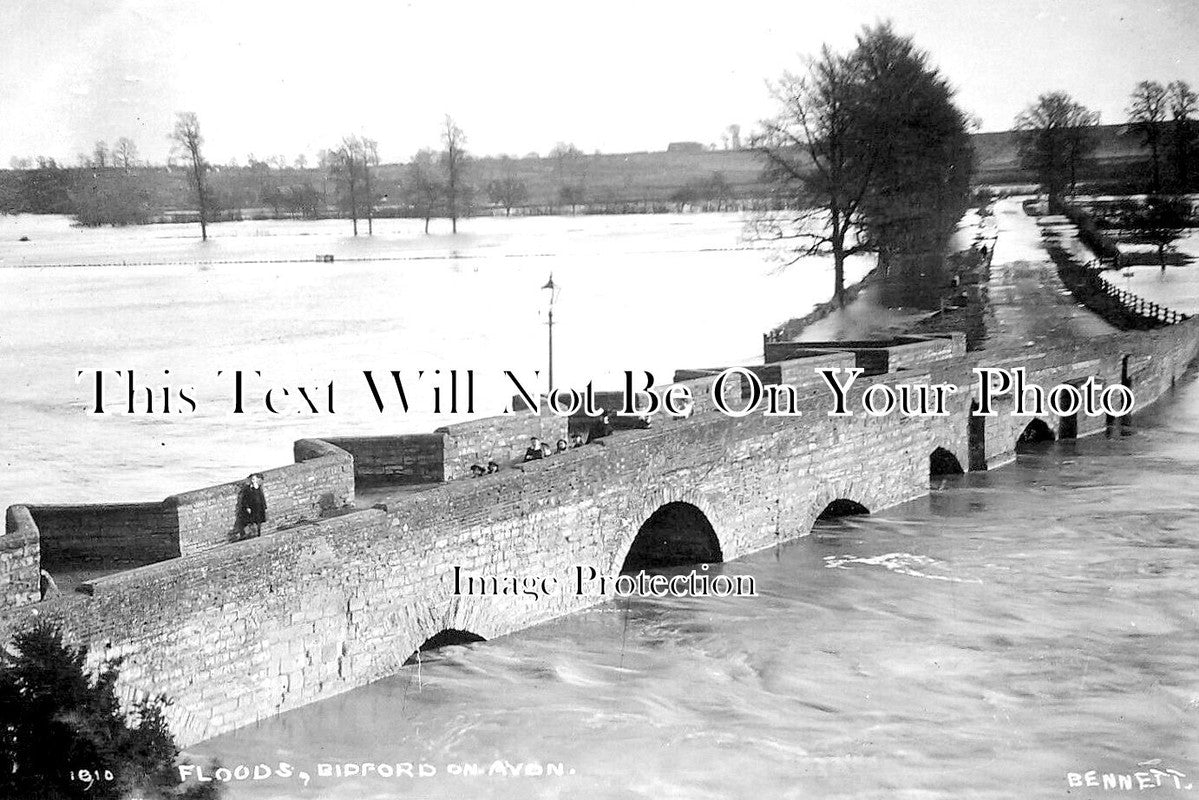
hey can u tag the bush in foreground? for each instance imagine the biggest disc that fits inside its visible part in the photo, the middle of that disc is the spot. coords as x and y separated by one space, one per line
63 733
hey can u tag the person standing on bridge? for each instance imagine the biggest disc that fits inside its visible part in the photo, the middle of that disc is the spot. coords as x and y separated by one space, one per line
252 506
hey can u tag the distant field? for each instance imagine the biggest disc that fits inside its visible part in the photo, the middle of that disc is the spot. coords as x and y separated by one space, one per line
623 176
615 181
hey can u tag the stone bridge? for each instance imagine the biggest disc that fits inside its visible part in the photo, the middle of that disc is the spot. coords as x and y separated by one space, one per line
357 573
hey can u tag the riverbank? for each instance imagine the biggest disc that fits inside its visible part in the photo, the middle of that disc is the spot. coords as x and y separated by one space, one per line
870 312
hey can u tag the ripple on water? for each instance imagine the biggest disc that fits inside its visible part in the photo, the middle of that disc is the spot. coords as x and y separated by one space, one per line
982 642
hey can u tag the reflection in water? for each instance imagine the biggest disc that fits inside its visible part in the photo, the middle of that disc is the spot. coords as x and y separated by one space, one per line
1010 628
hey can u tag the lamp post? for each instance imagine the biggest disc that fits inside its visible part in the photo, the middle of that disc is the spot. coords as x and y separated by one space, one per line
553 294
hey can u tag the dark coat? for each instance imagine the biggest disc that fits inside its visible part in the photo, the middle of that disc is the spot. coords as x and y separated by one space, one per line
252 506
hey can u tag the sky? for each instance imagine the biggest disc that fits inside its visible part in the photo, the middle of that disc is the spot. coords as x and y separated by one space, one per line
283 78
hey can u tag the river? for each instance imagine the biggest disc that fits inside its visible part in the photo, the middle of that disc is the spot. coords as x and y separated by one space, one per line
1012 628
988 641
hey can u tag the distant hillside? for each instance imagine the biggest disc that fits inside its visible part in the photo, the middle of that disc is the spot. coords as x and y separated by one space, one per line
620 177
1118 155
605 182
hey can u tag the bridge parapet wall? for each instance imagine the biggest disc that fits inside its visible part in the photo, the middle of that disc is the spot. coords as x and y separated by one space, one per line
503 439
406 459
19 559
321 482
231 635
105 535
242 631
878 356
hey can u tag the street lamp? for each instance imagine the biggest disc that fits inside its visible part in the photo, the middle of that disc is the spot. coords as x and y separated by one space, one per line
553 296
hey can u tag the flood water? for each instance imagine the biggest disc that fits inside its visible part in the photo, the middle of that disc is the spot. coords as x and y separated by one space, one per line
1014 627
653 293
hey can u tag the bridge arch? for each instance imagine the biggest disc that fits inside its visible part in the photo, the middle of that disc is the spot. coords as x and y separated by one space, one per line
841 507
942 461
676 533
446 637
837 499
1035 432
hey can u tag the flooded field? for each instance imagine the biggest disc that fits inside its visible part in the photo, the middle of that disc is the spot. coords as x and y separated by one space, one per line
636 293
1011 629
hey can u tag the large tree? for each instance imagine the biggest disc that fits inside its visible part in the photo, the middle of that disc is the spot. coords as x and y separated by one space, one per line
817 163
1183 102
919 186
370 160
453 163
350 167
867 148
1056 137
1147 109
188 141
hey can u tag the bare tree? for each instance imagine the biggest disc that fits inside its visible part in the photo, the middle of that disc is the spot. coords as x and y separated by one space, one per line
734 134
124 153
100 156
814 161
324 162
370 160
1183 104
1055 138
868 153
509 190
347 167
424 190
1146 114
570 173
187 141
453 162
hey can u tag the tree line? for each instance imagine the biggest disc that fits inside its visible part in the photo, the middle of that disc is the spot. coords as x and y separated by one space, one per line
111 186
1058 138
1058 142
437 184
